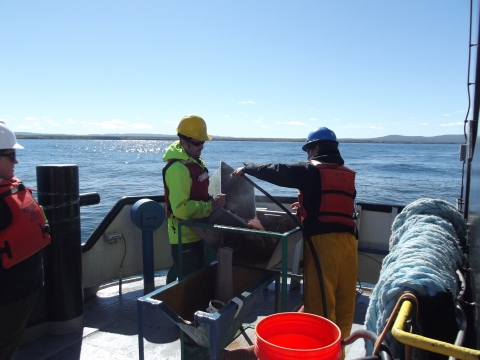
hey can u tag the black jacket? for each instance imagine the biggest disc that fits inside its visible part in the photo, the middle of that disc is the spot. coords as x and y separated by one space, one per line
305 177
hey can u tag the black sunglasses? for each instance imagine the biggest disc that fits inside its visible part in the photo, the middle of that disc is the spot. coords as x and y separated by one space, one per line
196 143
12 156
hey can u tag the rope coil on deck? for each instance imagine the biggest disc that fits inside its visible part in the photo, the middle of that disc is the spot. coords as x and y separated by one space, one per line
424 254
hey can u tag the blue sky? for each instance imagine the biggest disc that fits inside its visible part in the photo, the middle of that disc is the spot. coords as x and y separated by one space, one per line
250 68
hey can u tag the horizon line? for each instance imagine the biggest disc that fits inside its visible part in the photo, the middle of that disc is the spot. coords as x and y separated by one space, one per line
448 138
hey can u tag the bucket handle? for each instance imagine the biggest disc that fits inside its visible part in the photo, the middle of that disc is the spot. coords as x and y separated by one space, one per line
239 302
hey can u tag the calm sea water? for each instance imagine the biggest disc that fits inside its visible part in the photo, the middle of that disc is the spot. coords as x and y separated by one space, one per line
386 173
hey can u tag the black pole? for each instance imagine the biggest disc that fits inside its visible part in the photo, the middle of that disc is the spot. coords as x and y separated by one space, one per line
58 193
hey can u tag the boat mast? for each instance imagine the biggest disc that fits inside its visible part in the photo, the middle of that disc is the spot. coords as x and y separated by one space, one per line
472 124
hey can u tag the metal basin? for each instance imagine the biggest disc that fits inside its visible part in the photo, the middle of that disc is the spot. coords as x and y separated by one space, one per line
253 248
185 302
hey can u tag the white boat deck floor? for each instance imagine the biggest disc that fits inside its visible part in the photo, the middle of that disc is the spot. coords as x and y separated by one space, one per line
111 332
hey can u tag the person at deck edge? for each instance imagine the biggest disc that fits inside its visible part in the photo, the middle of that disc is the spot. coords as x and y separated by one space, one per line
185 179
22 235
325 207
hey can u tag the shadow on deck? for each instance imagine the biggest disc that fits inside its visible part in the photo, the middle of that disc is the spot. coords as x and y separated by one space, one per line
111 332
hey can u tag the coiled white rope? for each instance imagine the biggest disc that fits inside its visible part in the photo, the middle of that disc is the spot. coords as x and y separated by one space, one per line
424 255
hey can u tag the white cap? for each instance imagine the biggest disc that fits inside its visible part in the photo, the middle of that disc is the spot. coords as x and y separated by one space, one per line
7 138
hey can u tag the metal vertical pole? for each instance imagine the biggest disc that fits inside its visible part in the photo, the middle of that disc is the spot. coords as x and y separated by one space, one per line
141 354
284 241
473 127
180 254
277 293
148 215
148 262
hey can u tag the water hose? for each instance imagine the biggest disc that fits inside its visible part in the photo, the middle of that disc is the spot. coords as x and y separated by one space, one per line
305 236
384 353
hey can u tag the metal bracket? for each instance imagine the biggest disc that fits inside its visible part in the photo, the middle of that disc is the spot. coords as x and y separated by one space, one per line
113 238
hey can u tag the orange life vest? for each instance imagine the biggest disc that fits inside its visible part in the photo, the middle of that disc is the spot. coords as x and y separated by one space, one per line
337 195
28 230
200 182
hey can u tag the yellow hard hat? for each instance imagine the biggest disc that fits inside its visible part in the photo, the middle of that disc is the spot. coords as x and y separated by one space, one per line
193 126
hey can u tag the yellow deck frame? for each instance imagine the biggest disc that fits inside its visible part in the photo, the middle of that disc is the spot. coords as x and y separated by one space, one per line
425 343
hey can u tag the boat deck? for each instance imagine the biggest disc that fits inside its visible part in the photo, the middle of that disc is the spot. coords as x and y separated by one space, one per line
111 331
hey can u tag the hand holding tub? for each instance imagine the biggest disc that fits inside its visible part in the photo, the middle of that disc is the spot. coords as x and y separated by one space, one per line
218 201
239 172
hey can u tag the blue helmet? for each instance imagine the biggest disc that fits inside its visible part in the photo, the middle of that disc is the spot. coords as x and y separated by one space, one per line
320 134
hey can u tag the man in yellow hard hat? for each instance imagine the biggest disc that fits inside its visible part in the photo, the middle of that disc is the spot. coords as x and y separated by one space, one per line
185 179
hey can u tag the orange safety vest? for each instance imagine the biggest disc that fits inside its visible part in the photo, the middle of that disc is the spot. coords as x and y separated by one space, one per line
27 232
337 195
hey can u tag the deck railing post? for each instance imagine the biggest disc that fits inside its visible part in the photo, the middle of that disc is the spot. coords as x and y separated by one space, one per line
148 215
58 193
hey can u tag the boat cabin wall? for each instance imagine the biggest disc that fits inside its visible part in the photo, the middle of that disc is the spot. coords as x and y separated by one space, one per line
117 251
114 250
374 225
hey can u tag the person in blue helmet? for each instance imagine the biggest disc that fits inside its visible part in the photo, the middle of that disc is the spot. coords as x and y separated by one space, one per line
325 207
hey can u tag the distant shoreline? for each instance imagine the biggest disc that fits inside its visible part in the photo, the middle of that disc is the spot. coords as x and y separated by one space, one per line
390 139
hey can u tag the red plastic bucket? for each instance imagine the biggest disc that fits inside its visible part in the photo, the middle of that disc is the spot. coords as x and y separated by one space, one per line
294 335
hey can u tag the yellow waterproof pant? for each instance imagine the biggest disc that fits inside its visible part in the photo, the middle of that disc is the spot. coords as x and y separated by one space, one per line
337 254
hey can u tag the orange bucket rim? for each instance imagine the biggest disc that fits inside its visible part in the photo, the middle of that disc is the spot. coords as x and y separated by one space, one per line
334 343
